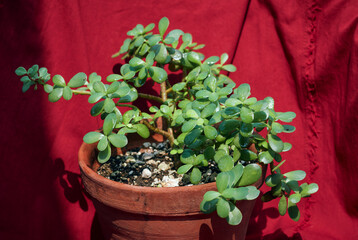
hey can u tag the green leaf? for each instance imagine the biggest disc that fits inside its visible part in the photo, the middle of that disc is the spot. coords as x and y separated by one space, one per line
277 128
246 129
118 140
184 169
102 144
273 180
210 132
286 147
275 143
282 205
103 156
297 175
194 58
187 157
295 198
235 216
109 105
246 115
252 173
223 208
211 195
212 60
78 80
92 137
158 74
113 87
55 95
288 128
97 108
163 26
135 62
67 93
265 157
59 81
48 88
253 193
109 123
224 57
114 77
229 68
125 45
149 27
228 126
226 163
293 211
188 126
142 130
178 86
225 180
95 97
208 207
286 116
99 87
195 176
308 190
243 91
20 71
235 193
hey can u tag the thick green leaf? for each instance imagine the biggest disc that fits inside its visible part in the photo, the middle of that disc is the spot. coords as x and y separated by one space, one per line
20 71
194 58
195 176
99 87
109 123
224 57
208 207
55 95
178 86
235 193
109 105
253 193
187 157
246 115
286 116
229 68
228 126
235 215
212 60
295 198
210 195
114 77
286 147
97 108
113 87
118 140
78 80
142 130
309 189
159 75
277 128
95 97
248 155
149 27
223 208
188 126
67 93
92 137
246 129
210 132
288 128
297 175
275 143
59 81
293 211
48 88
103 156
252 173
273 180
163 25
191 113
226 163
243 91
184 169
282 205
265 157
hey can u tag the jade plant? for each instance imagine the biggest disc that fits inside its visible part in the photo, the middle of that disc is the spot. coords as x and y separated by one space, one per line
208 119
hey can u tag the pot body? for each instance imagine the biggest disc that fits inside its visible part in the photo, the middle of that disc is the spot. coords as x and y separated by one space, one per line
132 212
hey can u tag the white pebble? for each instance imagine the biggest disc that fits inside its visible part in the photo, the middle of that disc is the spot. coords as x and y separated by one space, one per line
146 173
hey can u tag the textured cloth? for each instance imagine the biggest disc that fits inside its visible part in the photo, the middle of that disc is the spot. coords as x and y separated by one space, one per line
304 54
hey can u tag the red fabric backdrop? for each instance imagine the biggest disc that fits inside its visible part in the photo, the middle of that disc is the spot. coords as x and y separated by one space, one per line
302 53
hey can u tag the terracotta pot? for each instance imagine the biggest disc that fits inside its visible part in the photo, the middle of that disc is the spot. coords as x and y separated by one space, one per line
132 212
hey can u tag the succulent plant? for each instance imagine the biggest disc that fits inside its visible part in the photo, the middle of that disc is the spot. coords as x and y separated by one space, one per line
208 118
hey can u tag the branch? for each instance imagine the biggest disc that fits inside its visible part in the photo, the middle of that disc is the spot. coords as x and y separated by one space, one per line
150 97
161 132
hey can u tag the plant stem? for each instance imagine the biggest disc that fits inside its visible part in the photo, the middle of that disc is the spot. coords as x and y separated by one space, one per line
150 97
163 93
169 136
127 105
